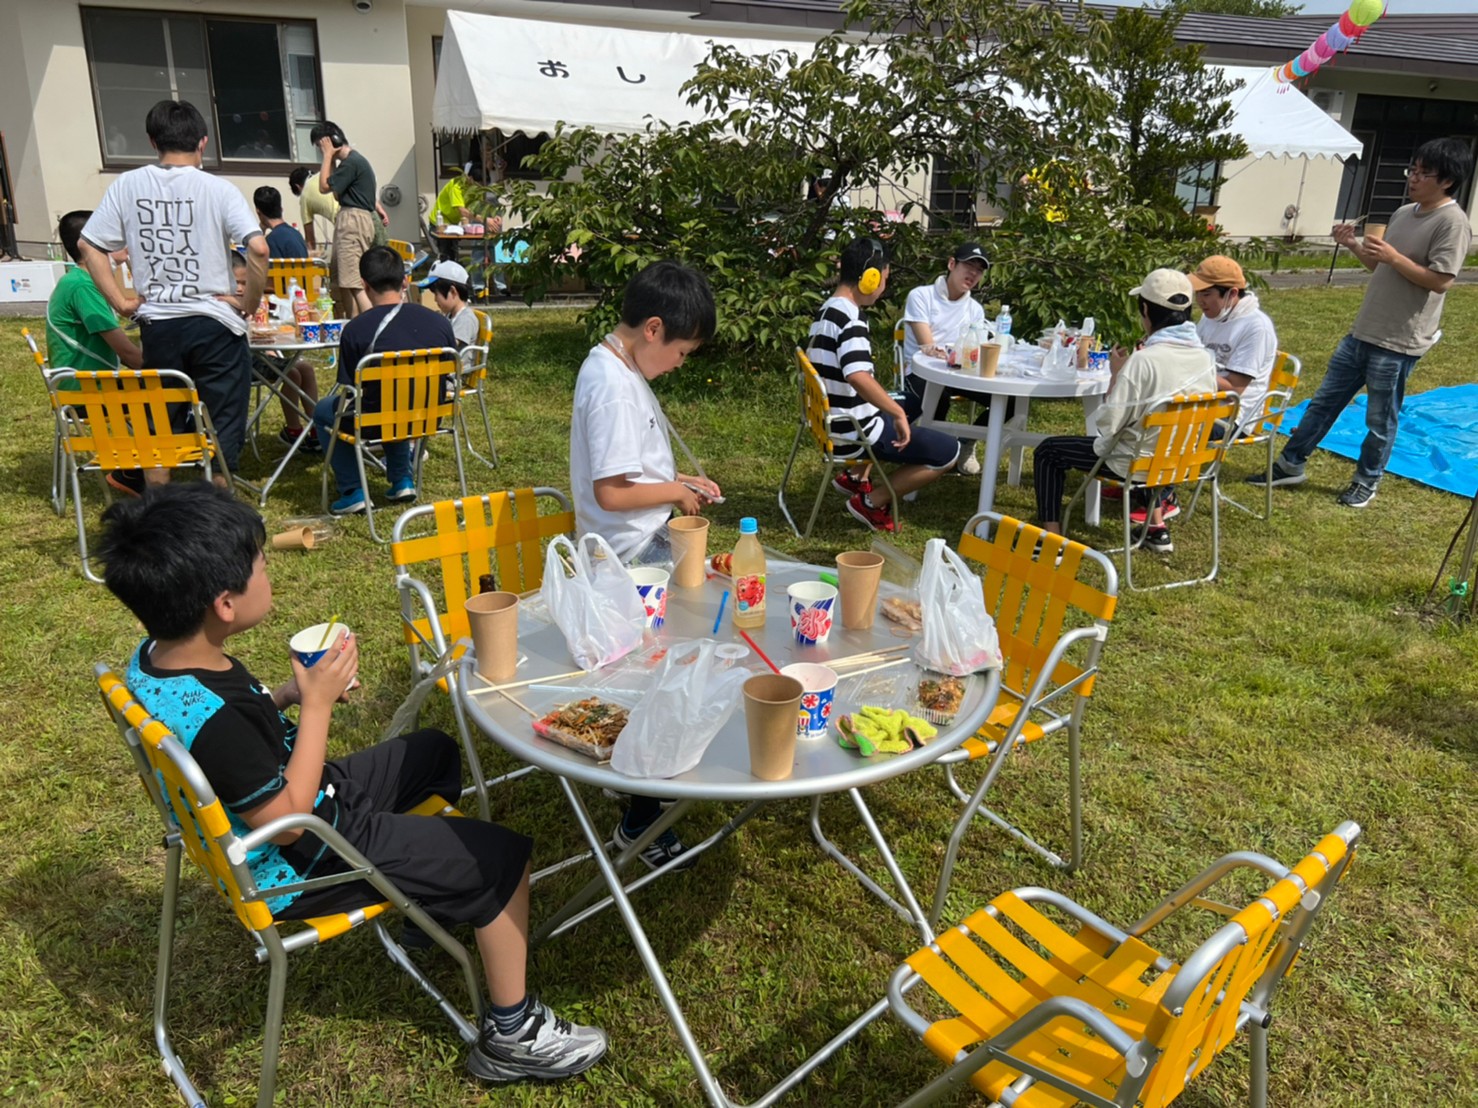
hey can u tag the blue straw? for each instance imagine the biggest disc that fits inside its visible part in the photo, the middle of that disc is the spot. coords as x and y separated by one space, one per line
722 604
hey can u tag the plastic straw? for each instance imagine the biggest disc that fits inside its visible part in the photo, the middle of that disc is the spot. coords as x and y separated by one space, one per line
327 631
763 656
718 619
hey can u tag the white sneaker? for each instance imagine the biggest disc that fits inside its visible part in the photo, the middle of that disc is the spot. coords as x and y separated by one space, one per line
546 1047
969 464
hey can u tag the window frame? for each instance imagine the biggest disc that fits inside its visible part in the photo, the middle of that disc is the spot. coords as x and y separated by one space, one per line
214 162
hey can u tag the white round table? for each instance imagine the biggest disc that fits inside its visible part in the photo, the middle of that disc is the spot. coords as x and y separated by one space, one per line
939 377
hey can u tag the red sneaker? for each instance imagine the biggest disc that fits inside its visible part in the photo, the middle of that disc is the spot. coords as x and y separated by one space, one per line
1169 509
1112 492
848 482
878 519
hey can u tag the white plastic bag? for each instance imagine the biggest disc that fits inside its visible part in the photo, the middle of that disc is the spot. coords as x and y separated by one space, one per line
592 600
959 634
690 699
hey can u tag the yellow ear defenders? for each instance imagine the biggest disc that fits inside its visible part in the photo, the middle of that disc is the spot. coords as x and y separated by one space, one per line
872 276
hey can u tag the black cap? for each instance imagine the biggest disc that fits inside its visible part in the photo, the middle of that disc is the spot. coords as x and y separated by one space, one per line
970 252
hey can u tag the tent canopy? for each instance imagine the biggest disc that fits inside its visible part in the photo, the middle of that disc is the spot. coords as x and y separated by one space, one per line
526 75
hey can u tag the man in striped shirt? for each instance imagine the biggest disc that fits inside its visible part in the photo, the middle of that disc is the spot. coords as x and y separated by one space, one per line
841 351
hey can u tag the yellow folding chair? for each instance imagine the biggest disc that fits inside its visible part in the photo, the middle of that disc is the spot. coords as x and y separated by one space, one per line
440 552
1052 601
1049 1005
418 399
311 274
196 823
826 429
1187 452
120 419
474 382
1282 380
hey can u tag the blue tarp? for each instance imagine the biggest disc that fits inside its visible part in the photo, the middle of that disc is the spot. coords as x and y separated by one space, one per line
1437 444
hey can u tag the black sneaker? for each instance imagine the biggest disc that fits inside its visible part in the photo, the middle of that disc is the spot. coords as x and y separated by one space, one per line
657 853
1358 495
311 445
1158 540
546 1047
1281 477
130 482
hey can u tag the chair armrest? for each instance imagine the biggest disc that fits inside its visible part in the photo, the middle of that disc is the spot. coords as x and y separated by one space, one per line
412 587
1192 889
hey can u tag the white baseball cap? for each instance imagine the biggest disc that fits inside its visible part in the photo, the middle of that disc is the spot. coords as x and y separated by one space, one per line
1169 288
446 271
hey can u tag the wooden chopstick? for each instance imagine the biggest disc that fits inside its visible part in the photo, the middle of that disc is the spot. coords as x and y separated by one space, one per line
520 703
529 681
874 669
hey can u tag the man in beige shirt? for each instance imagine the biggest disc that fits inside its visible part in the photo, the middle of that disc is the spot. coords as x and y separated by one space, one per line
1414 265
314 205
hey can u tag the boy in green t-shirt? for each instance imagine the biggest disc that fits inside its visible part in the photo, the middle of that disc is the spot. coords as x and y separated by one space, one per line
82 331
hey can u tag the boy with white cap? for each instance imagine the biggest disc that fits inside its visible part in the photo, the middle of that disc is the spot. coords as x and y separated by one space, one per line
451 286
1171 361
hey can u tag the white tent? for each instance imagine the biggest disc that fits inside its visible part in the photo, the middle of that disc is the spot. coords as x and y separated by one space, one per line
526 75
1279 121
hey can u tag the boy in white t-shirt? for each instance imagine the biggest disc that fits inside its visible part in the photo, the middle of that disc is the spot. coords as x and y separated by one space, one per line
177 223
1238 333
622 473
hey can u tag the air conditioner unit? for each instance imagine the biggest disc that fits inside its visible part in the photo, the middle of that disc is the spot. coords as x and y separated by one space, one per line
1330 101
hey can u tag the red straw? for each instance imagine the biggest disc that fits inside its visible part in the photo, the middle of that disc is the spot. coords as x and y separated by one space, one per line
745 636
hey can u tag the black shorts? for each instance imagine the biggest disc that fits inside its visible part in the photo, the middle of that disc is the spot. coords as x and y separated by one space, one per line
926 447
460 870
218 360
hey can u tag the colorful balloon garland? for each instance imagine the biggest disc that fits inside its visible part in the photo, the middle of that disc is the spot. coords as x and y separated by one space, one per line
1342 34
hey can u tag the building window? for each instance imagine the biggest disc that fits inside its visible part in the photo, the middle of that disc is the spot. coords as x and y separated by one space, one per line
255 81
1197 186
951 206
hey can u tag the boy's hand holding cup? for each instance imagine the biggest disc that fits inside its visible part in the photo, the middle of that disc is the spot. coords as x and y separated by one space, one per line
324 672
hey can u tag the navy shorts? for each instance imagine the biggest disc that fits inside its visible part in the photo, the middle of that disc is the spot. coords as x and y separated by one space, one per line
926 447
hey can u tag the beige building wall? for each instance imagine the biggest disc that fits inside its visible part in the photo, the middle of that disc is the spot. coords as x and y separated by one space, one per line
1258 193
51 130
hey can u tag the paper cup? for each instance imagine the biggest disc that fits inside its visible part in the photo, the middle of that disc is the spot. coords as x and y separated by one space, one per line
772 702
312 332
818 698
297 538
990 358
651 586
811 611
493 619
333 330
688 536
1375 231
859 572
305 644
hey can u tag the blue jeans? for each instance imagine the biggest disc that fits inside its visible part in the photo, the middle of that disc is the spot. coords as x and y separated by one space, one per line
346 469
1354 365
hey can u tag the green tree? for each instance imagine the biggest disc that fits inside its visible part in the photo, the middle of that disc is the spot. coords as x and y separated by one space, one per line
998 88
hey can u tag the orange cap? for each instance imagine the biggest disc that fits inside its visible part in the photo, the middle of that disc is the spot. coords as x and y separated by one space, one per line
1218 270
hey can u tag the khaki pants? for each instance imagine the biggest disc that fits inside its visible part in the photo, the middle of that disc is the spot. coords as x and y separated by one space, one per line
354 233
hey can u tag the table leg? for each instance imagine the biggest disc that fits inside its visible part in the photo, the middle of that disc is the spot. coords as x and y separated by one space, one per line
990 469
1092 499
909 910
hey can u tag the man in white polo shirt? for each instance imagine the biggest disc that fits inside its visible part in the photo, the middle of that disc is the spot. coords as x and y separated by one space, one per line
935 314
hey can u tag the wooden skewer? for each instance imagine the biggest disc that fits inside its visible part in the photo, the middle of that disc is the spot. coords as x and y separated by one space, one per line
873 669
520 703
530 681
868 655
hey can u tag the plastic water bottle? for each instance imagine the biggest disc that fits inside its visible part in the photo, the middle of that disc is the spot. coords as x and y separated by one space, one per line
749 576
1003 323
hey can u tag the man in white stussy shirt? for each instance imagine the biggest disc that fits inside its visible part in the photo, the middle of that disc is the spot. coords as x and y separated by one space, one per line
178 223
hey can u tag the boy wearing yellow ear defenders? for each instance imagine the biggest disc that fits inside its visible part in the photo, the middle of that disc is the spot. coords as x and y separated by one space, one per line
841 351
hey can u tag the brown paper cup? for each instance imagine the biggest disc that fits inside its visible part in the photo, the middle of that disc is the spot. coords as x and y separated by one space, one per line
688 536
493 620
772 703
299 538
858 574
990 358
1375 231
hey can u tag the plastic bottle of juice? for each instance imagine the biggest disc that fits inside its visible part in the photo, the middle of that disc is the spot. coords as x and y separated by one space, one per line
749 576
968 344
300 304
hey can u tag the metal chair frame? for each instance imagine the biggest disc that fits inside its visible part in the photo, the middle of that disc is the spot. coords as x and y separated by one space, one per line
503 533
1282 380
113 420
413 408
1185 453
1033 584
824 426
58 492
474 383
195 823
1080 1023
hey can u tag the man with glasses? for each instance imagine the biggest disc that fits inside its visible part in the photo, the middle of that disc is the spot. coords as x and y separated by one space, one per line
1414 265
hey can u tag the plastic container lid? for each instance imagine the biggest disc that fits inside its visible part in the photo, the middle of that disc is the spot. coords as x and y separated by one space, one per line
749 526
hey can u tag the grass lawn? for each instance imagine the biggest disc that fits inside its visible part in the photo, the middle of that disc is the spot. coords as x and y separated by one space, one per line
1258 712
